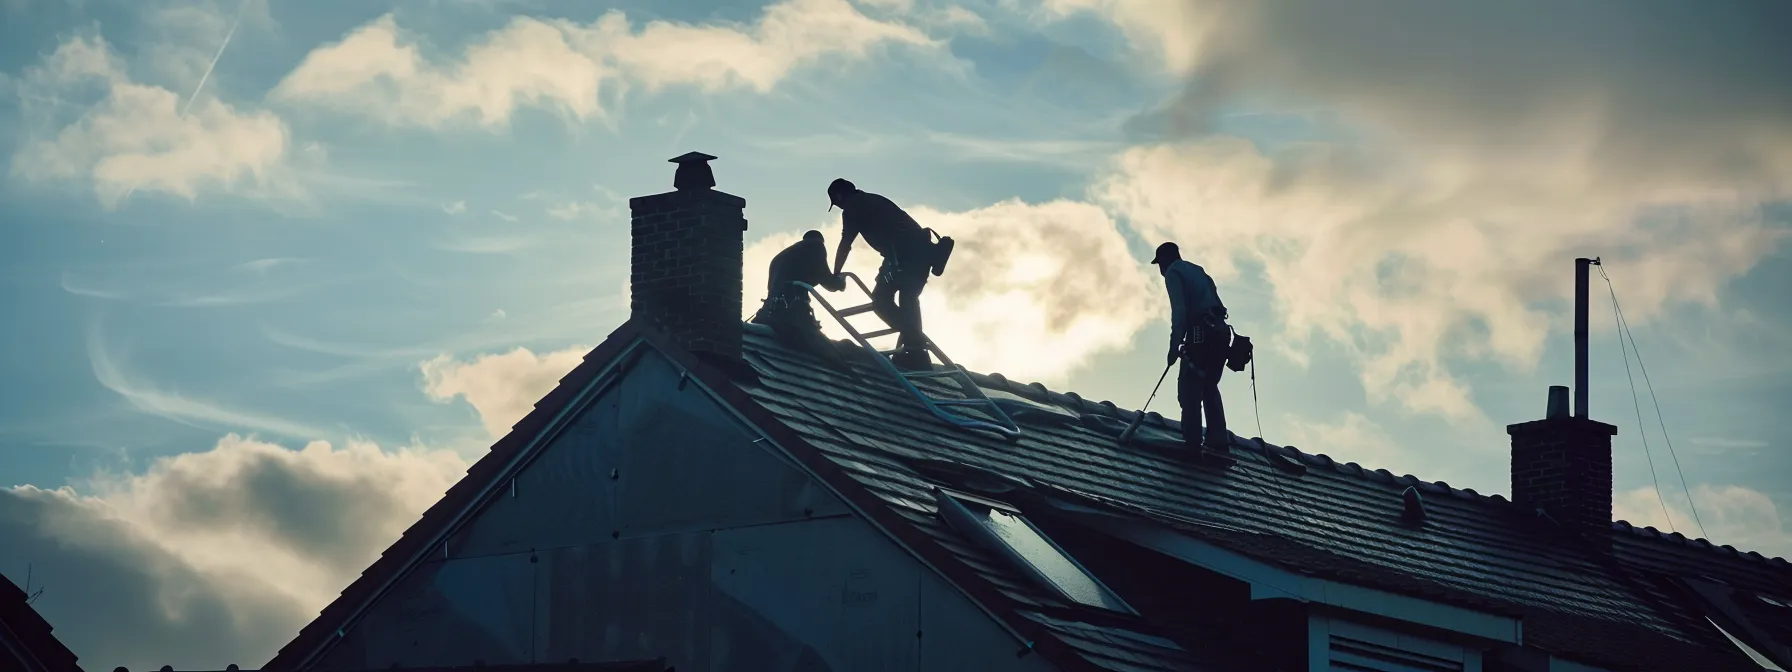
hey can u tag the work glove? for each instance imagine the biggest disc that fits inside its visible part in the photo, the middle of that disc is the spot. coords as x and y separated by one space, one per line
835 283
1175 351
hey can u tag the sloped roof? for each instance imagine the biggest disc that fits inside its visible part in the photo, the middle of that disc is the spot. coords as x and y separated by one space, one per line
870 441
21 626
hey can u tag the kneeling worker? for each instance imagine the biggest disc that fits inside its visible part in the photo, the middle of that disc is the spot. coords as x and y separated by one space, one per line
909 255
1200 338
786 309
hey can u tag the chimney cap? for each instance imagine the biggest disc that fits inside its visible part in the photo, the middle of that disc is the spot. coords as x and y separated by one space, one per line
693 171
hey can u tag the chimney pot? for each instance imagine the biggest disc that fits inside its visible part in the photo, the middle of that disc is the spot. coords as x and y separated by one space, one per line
1558 402
693 172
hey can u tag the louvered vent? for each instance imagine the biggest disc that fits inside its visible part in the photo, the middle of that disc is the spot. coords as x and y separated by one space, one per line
1349 653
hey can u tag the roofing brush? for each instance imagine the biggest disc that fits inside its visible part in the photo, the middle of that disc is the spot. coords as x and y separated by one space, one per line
1133 427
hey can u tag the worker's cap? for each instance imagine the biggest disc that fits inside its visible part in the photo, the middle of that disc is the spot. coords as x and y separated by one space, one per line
812 234
839 187
1166 253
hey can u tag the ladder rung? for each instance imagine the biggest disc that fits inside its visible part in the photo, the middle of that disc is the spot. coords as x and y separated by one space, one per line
856 310
879 333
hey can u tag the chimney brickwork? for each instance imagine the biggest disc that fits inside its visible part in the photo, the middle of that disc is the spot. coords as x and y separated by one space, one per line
1563 466
685 275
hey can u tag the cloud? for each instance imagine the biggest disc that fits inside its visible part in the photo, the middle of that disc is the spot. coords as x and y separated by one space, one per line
1458 177
572 210
220 291
573 70
496 244
1032 291
181 409
87 119
262 266
501 388
1734 515
455 208
215 557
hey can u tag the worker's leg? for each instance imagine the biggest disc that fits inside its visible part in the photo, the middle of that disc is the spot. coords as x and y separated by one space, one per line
1189 396
1213 367
910 310
883 294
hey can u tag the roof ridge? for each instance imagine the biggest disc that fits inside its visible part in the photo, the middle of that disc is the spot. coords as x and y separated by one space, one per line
1038 392
1650 532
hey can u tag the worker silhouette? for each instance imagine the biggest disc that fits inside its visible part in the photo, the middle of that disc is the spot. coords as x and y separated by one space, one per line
786 307
1200 338
909 255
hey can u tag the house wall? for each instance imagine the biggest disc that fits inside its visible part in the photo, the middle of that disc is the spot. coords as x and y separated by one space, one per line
654 526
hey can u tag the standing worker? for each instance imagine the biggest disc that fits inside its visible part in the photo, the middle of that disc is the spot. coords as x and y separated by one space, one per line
1200 338
786 308
909 254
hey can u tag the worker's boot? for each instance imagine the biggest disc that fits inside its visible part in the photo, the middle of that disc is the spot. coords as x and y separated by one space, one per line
912 359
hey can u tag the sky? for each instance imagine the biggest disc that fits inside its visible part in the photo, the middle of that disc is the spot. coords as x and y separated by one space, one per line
276 272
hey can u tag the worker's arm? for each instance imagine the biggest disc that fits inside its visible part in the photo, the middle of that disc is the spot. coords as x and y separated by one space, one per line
849 230
1178 311
815 268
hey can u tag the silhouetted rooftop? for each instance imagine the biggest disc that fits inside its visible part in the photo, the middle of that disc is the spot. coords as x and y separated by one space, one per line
1279 505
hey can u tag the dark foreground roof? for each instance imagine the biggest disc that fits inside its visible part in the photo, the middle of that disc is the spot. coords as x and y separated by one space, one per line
21 627
883 451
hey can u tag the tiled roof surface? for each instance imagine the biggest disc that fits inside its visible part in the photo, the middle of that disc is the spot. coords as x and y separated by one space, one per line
870 441
22 624
1336 519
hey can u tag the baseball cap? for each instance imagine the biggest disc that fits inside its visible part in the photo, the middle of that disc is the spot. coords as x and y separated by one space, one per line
839 185
1166 253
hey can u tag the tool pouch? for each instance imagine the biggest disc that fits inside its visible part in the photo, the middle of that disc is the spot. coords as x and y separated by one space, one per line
942 252
1240 353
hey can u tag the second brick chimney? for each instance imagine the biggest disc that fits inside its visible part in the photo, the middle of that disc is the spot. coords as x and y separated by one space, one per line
686 255
1563 467
1562 464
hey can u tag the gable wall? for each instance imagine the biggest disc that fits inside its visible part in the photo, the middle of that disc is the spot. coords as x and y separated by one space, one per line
653 526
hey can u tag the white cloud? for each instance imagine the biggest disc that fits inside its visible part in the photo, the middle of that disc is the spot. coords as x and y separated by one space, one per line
193 412
501 388
577 71
1741 517
214 557
1033 291
572 210
454 208
127 136
1439 221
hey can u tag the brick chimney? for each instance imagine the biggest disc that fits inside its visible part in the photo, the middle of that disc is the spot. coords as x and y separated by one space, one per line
1562 464
685 275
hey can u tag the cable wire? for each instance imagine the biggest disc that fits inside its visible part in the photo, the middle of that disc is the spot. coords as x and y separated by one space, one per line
1618 322
1624 332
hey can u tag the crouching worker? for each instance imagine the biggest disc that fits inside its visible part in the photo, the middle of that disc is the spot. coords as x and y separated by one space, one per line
786 309
1200 338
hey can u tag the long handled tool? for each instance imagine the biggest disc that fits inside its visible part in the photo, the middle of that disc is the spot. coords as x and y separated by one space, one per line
1133 427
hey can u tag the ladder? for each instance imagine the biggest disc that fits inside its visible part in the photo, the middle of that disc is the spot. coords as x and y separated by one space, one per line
943 408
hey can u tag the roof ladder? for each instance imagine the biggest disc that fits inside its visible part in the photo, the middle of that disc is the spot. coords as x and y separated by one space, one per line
943 408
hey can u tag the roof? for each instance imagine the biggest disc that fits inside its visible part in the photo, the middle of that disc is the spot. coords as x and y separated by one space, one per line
872 442
21 626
